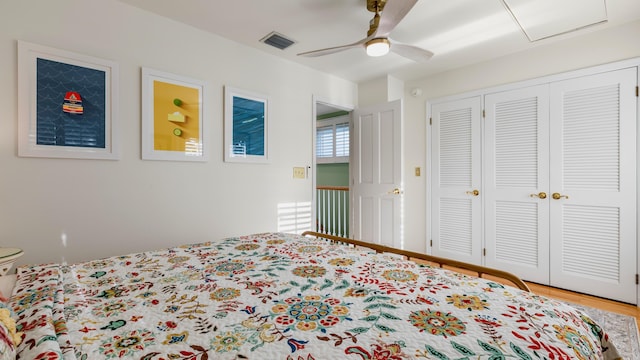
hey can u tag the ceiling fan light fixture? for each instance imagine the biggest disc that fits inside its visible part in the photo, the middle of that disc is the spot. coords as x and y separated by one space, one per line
377 47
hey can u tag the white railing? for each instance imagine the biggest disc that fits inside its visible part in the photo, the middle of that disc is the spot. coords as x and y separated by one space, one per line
332 210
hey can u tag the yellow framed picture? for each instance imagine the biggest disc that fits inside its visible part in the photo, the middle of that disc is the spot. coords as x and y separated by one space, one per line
173 117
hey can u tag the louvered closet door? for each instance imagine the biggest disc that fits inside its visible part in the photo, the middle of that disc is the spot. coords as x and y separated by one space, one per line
593 169
456 219
517 167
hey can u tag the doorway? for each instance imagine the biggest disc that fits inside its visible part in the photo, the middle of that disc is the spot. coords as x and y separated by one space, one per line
331 158
375 191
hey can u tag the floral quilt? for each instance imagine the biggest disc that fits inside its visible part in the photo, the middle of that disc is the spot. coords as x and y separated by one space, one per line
283 296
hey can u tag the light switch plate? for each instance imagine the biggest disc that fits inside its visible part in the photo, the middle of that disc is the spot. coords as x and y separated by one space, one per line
418 171
298 173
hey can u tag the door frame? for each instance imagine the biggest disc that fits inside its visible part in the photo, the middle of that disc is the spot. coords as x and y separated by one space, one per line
471 100
429 164
637 62
314 118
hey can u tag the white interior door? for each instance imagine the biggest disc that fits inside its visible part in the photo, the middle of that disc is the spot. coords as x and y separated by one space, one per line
456 221
593 172
377 174
516 182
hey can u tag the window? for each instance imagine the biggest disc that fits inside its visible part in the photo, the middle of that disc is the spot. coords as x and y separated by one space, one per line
332 140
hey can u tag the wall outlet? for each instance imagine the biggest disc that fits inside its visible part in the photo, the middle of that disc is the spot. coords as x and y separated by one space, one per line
299 173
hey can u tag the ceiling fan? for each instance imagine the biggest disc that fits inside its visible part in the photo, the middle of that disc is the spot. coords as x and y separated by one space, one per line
388 14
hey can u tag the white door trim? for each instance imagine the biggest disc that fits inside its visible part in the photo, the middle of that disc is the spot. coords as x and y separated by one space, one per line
314 118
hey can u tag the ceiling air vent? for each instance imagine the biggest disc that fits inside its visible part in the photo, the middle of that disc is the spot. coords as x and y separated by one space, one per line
277 40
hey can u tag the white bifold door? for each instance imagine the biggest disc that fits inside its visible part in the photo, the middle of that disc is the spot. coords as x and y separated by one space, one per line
593 184
456 180
558 184
516 182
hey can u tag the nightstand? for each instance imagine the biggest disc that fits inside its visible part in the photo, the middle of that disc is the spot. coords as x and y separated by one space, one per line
7 257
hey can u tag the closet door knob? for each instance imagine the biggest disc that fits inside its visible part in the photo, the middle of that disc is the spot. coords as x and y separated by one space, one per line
541 195
557 196
474 192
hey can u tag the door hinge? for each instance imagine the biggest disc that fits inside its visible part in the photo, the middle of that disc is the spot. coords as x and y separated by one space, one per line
484 114
484 251
637 279
430 121
637 91
431 242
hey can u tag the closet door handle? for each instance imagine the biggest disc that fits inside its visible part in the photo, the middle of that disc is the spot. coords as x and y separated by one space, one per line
557 196
474 192
541 195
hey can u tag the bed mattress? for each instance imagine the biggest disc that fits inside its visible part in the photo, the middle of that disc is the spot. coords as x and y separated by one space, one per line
284 296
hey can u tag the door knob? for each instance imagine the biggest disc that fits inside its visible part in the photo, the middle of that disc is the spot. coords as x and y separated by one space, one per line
541 195
395 191
474 192
557 196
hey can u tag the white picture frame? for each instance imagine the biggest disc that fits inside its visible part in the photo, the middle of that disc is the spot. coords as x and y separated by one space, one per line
246 126
67 104
174 118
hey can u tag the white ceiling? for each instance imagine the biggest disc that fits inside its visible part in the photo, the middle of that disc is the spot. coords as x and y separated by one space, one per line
459 32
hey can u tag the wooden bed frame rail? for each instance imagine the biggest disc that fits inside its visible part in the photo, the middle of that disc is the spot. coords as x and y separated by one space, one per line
479 270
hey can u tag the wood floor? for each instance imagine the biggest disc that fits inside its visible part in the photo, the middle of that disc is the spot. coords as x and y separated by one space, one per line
587 300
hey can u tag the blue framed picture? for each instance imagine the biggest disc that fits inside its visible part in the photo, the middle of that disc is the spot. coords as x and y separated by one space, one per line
246 126
67 104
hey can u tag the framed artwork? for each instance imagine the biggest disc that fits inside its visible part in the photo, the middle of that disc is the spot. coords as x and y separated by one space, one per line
173 117
246 126
67 104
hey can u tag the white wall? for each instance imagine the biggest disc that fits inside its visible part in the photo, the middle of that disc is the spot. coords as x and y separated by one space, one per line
606 46
115 207
380 90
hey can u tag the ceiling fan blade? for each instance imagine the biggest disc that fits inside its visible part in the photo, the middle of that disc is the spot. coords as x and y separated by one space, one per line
333 50
392 13
411 52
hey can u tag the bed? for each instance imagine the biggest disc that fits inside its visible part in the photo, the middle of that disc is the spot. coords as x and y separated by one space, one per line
290 297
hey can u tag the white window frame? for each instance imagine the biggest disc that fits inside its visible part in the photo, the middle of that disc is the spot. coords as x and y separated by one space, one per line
334 122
